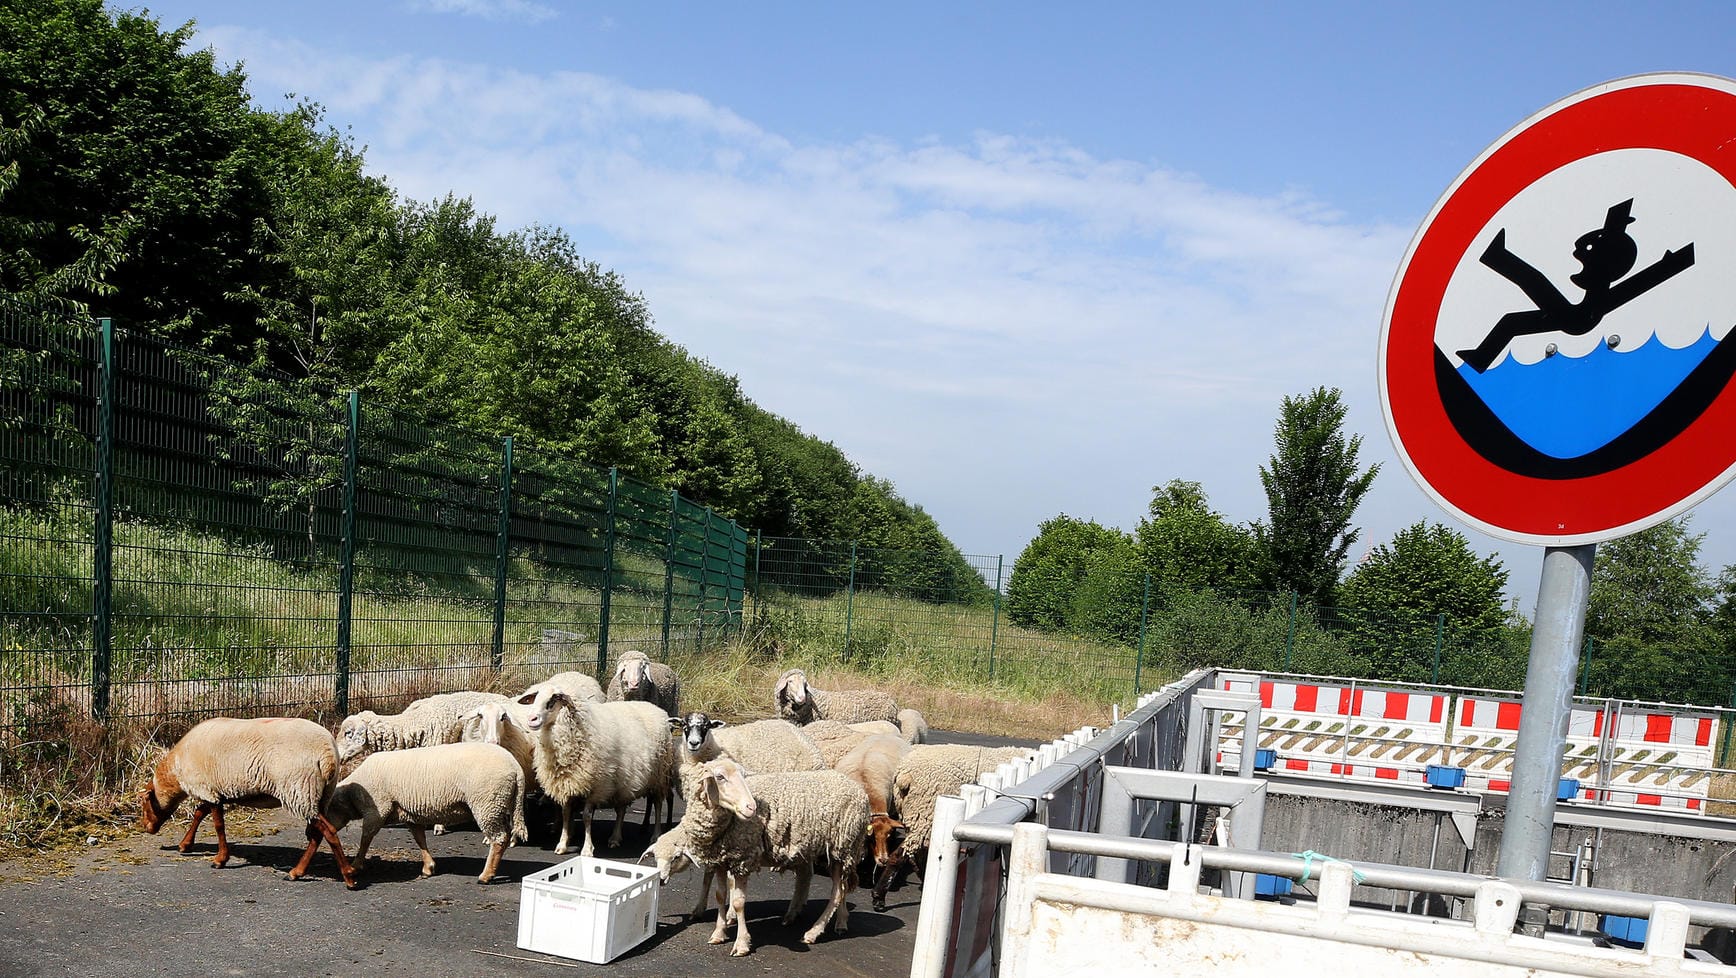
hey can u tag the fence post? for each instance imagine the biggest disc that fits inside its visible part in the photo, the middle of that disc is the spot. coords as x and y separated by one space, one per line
608 575
102 557
850 602
1729 720
1144 616
347 555
1440 634
704 572
995 627
669 567
501 553
1290 636
756 575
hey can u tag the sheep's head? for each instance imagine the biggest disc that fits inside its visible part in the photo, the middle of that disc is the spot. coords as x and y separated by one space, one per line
487 722
159 798
670 856
633 671
545 704
353 734
694 728
724 785
885 838
792 688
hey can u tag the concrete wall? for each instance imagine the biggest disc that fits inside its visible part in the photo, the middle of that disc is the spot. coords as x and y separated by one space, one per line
1373 833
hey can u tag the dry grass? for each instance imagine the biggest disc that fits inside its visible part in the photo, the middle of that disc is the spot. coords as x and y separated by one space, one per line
79 780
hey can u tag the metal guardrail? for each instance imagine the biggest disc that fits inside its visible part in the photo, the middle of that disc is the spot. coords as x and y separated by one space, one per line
1066 796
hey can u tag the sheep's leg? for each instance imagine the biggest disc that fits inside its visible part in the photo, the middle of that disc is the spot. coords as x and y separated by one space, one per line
566 827
738 913
834 906
588 848
620 823
222 840
707 877
883 882
192 829
493 864
318 829
421 837
369 830
804 876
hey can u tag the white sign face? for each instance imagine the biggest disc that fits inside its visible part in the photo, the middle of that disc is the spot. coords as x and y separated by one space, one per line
1556 363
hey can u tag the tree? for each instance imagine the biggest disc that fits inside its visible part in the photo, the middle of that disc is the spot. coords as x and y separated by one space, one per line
1050 568
1651 619
1185 546
1423 590
1313 486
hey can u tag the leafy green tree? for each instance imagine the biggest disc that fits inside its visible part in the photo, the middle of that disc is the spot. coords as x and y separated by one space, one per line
1051 567
1185 546
1313 485
1109 598
1652 619
1403 598
149 159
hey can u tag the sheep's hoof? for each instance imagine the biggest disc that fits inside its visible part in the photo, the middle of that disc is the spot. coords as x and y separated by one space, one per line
811 937
739 951
352 884
716 939
880 906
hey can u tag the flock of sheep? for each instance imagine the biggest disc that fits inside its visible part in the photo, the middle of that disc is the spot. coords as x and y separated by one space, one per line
834 776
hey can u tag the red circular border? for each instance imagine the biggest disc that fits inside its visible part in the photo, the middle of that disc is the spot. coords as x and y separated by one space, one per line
1693 120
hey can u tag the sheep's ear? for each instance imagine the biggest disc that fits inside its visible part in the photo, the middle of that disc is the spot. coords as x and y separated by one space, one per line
902 781
718 723
677 723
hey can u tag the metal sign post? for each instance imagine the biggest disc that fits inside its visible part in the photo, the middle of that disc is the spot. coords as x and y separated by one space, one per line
1557 360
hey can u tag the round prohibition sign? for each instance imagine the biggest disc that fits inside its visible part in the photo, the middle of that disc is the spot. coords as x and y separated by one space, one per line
1553 360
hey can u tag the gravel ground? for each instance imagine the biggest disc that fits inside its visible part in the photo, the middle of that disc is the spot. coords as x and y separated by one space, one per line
136 907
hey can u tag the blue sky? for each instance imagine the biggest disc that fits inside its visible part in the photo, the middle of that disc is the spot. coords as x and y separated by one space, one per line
1018 258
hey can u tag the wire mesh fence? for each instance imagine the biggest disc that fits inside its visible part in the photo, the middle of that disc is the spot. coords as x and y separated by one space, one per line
183 537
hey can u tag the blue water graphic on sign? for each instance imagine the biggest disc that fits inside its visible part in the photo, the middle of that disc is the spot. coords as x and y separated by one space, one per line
1567 406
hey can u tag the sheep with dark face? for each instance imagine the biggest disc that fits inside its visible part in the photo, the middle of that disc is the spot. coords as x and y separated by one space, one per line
873 764
268 763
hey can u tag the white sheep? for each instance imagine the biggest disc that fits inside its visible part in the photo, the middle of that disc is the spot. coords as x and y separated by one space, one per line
606 753
873 764
762 747
788 821
502 724
424 786
798 702
577 685
835 738
436 719
913 726
638 678
926 772
265 763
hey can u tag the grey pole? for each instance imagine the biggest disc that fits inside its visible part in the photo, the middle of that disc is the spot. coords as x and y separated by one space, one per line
1556 637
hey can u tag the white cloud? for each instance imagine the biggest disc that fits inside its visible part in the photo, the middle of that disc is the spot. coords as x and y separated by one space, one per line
1007 328
519 10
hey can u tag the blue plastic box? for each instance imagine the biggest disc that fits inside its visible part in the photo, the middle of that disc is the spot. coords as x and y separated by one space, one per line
1442 776
1628 930
1266 884
1264 758
1567 790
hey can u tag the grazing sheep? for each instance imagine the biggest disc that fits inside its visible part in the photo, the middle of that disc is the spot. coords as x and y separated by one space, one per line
927 772
787 821
638 678
913 726
762 747
606 753
424 786
800 703
276 761
431 720
873 764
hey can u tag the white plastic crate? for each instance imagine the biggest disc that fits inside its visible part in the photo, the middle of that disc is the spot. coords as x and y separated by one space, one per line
591 909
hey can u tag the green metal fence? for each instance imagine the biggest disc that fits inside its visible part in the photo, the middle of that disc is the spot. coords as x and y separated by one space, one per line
180 537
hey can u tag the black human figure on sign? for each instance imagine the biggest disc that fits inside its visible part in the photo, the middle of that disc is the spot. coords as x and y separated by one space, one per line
1605 254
